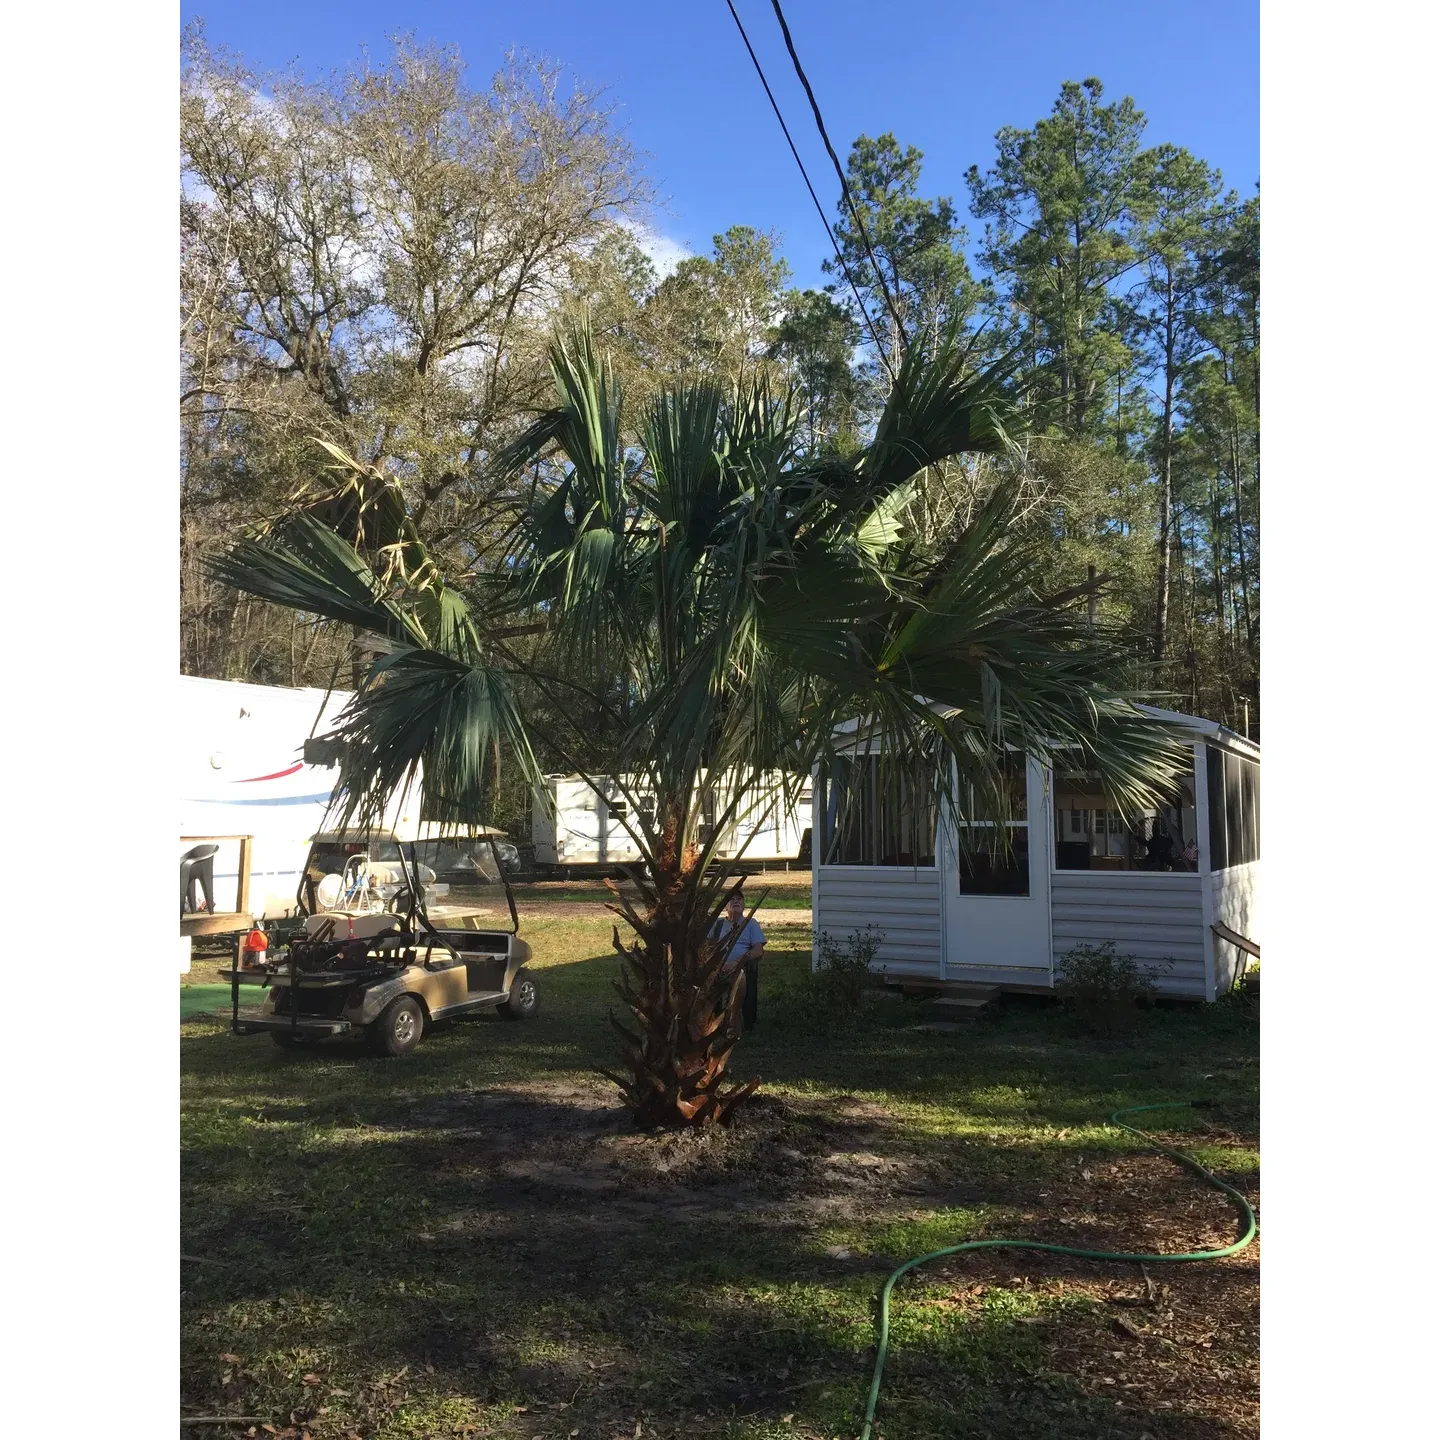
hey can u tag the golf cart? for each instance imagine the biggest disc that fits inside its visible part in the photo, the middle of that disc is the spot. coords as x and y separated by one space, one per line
368 960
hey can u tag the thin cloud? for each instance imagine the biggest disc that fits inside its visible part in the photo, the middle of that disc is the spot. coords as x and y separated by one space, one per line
663 251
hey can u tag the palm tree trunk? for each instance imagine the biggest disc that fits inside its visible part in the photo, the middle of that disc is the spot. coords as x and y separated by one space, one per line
674 983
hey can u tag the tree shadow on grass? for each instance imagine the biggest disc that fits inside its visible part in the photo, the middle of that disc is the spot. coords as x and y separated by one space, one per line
479 1220
523 1245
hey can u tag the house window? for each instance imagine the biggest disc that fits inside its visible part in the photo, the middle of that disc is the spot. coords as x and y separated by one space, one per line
878 811
1091 834
1233 788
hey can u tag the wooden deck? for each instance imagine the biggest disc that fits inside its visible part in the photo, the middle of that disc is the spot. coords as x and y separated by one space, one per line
219 922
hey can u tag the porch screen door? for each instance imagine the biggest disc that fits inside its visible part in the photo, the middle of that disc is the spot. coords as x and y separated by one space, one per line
997 896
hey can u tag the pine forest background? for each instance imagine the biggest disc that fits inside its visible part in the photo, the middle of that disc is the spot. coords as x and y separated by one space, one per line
378 260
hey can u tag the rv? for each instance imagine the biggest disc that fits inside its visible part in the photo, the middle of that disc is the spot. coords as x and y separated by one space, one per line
575 825
248 789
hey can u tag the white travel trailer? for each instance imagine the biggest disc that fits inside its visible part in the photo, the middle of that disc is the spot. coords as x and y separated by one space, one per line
1173 888
574 825
246 786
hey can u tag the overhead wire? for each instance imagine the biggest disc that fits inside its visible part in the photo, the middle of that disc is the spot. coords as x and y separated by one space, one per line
901 337
819 208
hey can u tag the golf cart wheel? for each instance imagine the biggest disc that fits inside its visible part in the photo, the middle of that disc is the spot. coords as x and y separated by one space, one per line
524 1001
286 1041
400 1027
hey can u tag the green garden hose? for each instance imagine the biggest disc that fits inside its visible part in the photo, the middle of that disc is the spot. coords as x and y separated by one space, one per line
1241 1203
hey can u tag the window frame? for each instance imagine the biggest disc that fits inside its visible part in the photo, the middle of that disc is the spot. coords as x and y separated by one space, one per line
1028 893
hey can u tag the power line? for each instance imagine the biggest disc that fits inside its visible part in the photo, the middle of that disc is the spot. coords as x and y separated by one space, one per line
819 208
844 183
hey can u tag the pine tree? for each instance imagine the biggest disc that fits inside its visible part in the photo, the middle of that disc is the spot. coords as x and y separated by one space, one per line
816 341
918 277
1182 203
1066 206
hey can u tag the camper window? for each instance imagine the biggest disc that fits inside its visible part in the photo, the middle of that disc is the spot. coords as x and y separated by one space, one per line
878 811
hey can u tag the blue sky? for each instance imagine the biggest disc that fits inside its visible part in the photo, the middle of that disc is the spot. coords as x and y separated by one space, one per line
941 75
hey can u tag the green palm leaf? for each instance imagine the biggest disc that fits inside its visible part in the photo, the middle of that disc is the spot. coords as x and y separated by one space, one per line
308 567
421 712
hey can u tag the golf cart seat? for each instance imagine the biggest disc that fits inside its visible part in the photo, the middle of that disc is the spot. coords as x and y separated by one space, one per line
350 925
197 870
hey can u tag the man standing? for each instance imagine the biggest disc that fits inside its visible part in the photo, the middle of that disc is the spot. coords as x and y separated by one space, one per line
747 945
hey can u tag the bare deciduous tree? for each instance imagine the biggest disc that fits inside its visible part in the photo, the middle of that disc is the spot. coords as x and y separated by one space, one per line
374 260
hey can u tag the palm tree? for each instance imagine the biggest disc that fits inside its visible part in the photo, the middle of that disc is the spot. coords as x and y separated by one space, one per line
745 600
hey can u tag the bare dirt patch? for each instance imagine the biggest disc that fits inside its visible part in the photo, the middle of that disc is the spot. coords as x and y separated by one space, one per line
1175 1345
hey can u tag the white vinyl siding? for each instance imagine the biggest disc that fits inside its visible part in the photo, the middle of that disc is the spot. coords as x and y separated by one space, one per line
1235 901
903 903
1150 916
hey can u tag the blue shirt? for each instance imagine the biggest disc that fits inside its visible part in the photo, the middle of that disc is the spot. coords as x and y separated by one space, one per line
747 936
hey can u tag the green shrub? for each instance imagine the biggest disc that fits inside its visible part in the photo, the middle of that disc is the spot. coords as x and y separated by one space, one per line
831 997
1104 990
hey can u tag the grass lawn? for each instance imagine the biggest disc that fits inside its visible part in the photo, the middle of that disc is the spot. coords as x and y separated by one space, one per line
471 1242
774 890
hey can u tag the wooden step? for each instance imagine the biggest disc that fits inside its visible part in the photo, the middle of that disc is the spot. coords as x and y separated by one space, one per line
969 990
960 1007
935 989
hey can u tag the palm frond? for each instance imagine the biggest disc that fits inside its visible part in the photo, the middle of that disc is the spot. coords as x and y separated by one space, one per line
588 423
423 712
308 567
939 406
680 435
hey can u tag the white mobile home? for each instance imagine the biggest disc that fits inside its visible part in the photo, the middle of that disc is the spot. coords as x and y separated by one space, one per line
575 824
954 907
